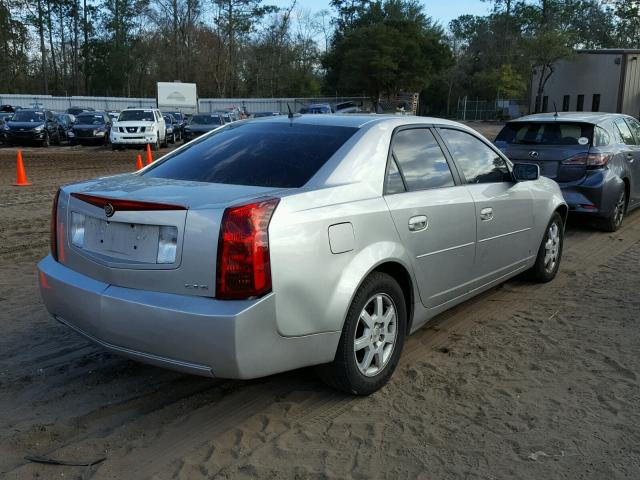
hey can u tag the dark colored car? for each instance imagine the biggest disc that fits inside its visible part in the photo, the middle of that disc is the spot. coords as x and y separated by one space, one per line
594 157
91 128
264 114
65 124
79 110
181 118
174 129
29 126
202 123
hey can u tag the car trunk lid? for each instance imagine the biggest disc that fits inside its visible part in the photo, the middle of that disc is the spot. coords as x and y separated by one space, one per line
147 233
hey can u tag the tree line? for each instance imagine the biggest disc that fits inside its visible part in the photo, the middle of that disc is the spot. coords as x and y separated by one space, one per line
249 48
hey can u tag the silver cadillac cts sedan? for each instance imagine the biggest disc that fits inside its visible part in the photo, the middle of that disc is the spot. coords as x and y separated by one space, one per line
273 244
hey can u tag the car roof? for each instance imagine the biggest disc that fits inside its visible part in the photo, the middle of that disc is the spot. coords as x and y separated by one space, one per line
589 117
356 121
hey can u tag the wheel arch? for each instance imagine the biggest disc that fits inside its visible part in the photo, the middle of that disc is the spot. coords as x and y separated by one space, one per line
400 274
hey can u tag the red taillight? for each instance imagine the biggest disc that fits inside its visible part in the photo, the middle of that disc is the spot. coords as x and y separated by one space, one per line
594 160
243 269
53 232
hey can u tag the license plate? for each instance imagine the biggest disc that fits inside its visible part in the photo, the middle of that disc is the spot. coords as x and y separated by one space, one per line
128 241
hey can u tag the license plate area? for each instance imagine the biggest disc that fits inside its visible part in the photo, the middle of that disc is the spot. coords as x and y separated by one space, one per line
120 240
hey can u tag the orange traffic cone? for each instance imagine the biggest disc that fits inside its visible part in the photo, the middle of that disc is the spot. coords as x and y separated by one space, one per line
139 162
21 175
149 157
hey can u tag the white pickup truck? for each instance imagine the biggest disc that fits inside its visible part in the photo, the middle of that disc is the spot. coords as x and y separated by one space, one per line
139 126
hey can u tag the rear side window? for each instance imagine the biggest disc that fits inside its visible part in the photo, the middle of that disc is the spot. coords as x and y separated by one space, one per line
600 137
546 133
260 153
625 132
479 163
420 159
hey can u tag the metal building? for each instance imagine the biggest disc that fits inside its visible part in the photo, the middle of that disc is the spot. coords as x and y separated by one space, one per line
606 80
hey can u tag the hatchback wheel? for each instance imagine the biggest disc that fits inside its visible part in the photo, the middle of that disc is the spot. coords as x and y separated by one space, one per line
550 251
372 338
45 140
614 222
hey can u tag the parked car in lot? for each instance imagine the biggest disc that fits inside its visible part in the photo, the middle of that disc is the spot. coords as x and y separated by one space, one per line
181 119
174 130
280 243
595 157
317 108
91 128
33 126
78 110
346 107
201 124
65 124
138 127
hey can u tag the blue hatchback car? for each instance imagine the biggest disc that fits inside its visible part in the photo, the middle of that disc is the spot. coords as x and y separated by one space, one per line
594 157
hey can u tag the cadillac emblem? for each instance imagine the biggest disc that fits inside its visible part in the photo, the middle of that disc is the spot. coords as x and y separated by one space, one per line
109 210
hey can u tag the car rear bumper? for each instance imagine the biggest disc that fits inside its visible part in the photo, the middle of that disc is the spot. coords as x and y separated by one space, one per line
204 336
596 194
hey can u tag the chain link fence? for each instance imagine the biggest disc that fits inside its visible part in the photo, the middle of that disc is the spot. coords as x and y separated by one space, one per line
488 110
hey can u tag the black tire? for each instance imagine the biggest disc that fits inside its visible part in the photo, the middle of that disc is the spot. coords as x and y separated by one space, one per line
344 373
114 147
46 141
173 138
614 221
156 145
164 143
57 140
542 272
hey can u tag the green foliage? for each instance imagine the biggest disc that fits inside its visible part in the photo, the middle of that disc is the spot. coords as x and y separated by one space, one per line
384 47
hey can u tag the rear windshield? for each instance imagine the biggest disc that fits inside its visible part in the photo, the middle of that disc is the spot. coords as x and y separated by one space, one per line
546 133
205 120
260 153
90 119
136 115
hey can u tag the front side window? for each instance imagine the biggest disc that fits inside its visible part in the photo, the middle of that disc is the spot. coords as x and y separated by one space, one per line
420 160
479 162
625 132
265 154
634 126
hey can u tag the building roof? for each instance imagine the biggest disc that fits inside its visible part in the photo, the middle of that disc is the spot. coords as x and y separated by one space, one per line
610 51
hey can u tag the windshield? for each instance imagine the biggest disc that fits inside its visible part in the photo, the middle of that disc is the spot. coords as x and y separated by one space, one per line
167 119
90 120
28 116
205 120
136 116
261 153
546 133
177 116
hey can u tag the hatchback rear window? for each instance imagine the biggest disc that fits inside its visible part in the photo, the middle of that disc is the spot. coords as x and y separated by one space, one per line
266 154
546 133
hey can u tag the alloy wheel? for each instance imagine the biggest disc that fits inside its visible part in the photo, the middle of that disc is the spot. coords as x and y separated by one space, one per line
552 247
618 212
376 334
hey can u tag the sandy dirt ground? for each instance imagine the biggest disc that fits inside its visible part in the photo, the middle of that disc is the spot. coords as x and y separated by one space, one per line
525 381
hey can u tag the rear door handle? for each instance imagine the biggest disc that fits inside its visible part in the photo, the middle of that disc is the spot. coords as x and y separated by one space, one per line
418 223
486 214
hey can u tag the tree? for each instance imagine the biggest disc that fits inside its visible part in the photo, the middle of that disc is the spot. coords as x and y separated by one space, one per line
384 47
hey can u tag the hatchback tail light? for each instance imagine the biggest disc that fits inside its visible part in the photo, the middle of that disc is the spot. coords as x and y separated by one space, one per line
53 231
592 160
243 268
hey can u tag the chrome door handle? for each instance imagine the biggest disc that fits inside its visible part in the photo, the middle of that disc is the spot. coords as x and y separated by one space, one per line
486 214
418 223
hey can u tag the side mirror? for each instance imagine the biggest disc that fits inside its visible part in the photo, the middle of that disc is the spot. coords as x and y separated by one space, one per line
526 171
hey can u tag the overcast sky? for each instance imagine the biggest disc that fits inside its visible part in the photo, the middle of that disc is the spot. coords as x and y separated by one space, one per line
442 11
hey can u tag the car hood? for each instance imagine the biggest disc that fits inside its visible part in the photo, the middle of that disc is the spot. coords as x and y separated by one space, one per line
27 125
88 127
136 123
